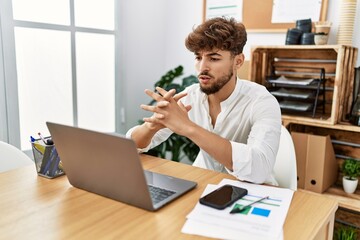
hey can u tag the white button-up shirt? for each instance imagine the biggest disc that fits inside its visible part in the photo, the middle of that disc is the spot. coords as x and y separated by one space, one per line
250 119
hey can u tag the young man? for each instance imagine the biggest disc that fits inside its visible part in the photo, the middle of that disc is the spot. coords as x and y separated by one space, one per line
236 123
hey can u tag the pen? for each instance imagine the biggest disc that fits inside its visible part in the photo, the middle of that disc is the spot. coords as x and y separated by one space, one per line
47 142
43 139
238 210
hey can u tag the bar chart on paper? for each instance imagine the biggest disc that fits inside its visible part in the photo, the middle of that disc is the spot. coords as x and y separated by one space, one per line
262 208
264 218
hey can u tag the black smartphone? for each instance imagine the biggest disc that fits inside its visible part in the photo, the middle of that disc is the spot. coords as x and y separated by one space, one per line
223 196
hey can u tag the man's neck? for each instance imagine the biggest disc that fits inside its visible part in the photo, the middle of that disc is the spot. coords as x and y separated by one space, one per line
223 93
215 99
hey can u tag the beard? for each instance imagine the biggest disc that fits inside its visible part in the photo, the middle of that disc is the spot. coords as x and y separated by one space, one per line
218 84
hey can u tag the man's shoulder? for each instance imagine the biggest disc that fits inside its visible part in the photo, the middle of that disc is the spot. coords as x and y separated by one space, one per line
257 93
252 88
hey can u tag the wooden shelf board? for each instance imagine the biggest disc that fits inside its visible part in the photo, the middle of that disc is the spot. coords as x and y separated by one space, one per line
346 200
320 123
299 46
306 120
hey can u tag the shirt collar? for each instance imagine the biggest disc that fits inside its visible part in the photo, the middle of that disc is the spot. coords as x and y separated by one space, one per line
233 95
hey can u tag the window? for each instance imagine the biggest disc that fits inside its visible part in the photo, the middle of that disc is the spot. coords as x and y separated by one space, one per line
64 66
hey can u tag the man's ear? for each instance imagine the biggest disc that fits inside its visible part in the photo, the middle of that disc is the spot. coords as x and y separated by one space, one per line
239 60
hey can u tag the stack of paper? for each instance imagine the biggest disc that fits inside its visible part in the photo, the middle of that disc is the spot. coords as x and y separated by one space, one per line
285 80
283 92
264 220
296 106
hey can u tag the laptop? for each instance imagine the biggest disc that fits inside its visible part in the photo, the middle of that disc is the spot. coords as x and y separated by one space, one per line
109 165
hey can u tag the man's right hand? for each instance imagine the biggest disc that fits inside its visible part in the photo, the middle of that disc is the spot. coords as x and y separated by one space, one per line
162 100
143 134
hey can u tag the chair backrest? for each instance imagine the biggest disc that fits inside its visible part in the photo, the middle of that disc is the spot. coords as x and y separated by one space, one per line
12 157
285 165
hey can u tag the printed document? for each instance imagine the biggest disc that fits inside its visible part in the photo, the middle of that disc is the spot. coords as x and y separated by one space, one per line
264 220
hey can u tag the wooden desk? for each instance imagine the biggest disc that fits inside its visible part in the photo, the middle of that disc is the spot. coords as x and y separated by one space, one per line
33 207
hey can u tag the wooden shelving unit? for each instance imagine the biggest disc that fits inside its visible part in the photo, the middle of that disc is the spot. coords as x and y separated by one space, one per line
339 64
338 61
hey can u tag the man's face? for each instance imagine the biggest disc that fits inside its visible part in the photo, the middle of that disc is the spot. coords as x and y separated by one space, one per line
215 69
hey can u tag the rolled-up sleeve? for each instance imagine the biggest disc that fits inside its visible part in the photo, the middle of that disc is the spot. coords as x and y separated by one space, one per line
158 138
255 160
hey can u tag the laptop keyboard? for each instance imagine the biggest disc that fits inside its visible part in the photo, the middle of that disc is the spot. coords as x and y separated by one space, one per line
159 194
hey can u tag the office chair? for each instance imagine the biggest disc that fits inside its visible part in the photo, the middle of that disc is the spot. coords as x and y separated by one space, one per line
12 157
285 165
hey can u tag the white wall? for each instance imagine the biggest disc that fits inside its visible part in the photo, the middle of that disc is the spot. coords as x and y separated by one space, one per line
142 52
190 13
153 43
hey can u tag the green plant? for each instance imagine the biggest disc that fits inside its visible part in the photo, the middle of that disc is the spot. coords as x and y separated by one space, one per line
175 144
346 233
351 168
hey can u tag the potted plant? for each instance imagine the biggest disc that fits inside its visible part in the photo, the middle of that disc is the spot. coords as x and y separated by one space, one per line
320 38
322 27
345 233
351 171
175 147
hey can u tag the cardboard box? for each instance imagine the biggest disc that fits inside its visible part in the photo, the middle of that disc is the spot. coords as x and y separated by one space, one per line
316 163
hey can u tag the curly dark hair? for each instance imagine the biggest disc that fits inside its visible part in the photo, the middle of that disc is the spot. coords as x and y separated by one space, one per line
218 33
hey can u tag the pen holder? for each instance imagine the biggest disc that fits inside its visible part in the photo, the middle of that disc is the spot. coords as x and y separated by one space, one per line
47 160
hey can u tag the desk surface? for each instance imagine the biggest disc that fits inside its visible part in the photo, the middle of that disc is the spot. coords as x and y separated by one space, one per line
34 207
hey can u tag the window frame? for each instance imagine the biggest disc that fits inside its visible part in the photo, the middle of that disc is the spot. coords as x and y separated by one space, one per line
9 105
